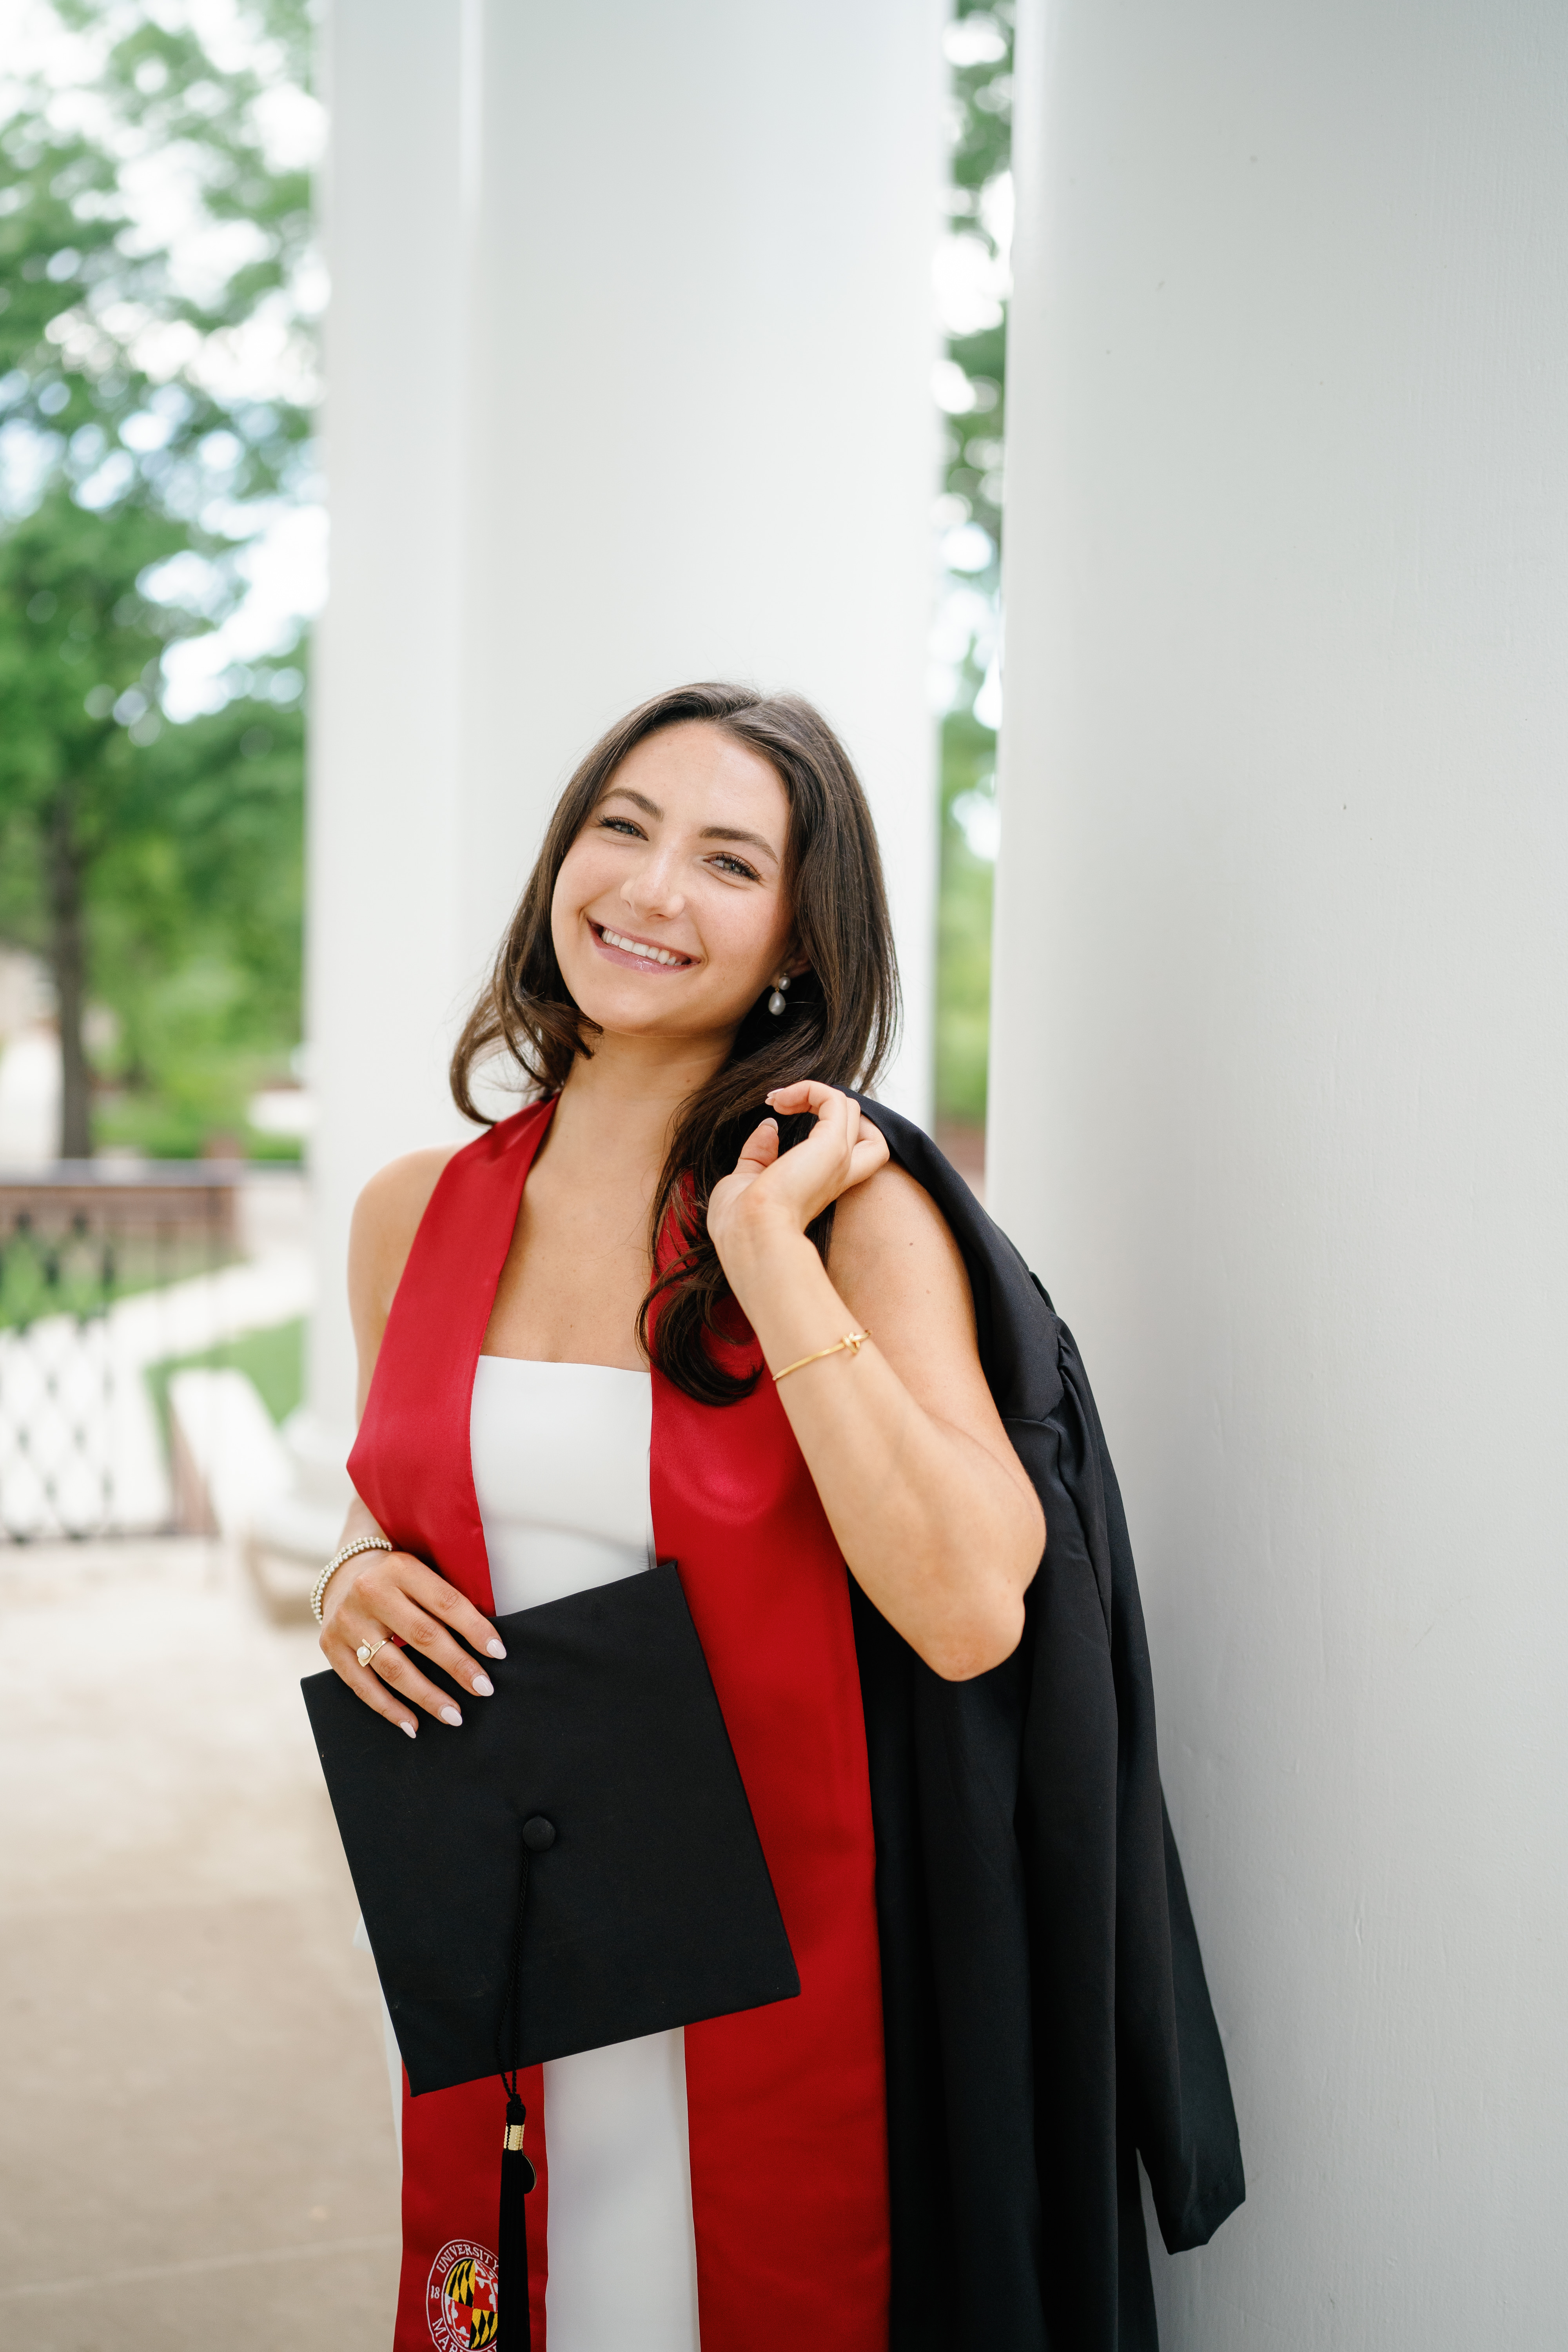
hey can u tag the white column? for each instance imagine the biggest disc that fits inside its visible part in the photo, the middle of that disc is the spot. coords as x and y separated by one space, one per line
1278 1081
628 384
383 956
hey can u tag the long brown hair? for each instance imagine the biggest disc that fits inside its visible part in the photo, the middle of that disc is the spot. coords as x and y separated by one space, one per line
840 1027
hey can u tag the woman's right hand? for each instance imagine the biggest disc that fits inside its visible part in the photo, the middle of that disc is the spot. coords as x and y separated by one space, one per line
395 1604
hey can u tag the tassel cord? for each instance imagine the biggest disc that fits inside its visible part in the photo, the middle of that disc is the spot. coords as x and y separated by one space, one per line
512 2023
517 2173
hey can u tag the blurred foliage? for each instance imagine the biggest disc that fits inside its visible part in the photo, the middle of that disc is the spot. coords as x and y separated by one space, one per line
982 110
982 149
964 926
155 867
274 1359
198 919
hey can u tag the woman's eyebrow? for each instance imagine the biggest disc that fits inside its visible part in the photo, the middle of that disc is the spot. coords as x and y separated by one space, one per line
735 833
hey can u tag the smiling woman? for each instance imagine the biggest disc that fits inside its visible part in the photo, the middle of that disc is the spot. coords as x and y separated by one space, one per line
727 832
689 1304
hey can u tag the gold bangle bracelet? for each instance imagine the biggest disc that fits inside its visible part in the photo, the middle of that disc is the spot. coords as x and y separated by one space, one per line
853 1340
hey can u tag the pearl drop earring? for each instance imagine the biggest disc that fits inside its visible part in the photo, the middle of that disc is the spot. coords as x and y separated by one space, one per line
776 1001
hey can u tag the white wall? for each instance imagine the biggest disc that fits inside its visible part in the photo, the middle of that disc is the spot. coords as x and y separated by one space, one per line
628 383
1278 1079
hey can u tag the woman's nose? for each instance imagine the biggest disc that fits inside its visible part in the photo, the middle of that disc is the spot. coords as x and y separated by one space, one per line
655 887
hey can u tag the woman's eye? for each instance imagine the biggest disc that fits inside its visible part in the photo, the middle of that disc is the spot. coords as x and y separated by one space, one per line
620 824
735 866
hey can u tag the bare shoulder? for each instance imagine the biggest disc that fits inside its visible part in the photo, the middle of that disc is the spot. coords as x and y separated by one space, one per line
402 1188
386 1219
892 1252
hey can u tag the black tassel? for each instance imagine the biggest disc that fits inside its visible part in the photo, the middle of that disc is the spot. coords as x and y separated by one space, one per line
517 2174
516 2177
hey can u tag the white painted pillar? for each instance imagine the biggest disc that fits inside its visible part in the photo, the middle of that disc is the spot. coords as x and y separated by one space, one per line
628 371
1279 1060
383 954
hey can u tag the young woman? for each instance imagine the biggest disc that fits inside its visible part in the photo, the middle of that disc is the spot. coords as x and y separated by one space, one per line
628 1323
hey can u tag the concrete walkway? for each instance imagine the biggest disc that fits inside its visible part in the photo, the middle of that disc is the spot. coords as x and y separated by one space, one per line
195 2134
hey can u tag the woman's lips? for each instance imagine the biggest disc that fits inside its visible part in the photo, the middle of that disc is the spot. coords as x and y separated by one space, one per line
622 947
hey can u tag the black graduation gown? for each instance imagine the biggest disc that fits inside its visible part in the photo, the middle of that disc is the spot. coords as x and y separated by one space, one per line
1046 2016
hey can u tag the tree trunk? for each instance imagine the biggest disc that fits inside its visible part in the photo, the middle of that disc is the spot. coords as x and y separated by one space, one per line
67 964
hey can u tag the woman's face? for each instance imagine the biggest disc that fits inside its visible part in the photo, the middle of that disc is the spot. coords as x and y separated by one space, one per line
670 917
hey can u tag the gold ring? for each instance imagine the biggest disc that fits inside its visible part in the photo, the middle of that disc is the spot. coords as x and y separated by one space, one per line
367 1650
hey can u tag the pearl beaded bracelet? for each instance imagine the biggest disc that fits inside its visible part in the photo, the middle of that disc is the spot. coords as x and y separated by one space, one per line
364 1543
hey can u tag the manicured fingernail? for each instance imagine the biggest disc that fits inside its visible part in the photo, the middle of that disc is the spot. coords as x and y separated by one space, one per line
411 1728
450 1715
496 1649
484 1686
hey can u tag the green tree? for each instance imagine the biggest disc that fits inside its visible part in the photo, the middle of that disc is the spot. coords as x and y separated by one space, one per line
980 47
132 475
198 904
79 655
981 158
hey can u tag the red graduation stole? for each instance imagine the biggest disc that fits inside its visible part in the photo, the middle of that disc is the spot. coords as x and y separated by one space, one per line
786 2109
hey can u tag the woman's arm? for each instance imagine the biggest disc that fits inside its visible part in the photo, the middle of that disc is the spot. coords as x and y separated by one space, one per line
938 1522
378 1593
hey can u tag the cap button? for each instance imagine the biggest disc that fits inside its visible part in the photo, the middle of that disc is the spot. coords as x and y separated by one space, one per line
538 1834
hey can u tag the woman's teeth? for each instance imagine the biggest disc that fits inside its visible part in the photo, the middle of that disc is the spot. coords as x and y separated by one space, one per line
639 948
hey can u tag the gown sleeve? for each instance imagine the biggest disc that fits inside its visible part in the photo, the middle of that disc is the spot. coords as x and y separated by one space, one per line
1047 2018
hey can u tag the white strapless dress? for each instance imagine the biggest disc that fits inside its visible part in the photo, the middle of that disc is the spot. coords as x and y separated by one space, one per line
560 1469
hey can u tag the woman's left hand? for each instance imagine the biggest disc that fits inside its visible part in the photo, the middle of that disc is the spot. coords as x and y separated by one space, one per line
770 1192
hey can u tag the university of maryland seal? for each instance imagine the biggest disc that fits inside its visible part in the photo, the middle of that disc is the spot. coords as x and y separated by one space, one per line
460 2301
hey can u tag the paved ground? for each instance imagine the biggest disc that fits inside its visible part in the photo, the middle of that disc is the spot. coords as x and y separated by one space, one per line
196 2134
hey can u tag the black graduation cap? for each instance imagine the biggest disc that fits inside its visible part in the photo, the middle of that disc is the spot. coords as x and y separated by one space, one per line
577 1866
